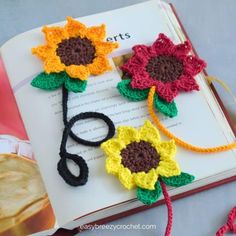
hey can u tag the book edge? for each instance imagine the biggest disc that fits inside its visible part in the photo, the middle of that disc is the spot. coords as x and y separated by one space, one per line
219 100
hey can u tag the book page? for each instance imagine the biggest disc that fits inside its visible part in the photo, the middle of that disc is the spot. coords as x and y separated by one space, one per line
42 115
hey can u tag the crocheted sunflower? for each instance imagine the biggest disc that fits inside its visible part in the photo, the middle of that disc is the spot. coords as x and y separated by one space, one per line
167 67
140 159
71 54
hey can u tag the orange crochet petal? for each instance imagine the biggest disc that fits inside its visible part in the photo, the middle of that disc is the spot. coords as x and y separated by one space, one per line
96 33
104 48
55 54
79 72
75 28
100 65
53 64
54 35
43 51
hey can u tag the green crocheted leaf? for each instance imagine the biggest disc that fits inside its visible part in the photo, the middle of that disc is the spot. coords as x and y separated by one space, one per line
75 85
149 197
50 81
168 109
180 180
127 91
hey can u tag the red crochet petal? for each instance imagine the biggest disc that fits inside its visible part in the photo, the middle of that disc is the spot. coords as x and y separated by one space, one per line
166 91
133 65
163 45
163 48
186 83
141 81
143 52
182 49
193 65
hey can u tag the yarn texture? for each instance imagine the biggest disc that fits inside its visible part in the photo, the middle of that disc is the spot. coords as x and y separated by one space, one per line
149 197
230 226
139 175
179 180
166 66
140 159
53 81
70 55
178 140
77 51
125 89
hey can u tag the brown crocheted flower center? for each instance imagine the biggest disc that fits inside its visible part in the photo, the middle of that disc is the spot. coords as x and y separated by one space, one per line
165 68
140 156
76 51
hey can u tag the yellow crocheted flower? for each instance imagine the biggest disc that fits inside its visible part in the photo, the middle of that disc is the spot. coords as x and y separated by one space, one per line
139 157
75 49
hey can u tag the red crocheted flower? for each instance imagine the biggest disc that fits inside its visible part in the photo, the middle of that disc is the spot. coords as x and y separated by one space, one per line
164 65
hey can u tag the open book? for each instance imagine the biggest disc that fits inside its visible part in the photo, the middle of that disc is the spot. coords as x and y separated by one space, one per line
201 119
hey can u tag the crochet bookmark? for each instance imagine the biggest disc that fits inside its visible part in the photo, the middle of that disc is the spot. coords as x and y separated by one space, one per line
230 226
141 160
70 55
157 73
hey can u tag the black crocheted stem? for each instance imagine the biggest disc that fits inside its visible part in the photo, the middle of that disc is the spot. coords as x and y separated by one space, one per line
83 116
62 167
65 172
64 104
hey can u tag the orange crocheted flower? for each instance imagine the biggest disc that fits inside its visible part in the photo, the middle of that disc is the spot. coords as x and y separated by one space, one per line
75 49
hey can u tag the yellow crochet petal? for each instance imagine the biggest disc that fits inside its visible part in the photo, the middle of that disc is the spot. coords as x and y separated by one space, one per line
168 168
78 72
127 134
54 34
104 48
100 65
149 133
112 147
43 51
113 165
75 28
146 180
53 64
126 178
166 149
96 33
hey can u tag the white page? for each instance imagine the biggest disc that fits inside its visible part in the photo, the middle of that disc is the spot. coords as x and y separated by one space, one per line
41 112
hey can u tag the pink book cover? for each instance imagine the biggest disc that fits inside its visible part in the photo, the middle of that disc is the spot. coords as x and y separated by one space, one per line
10 120
24 204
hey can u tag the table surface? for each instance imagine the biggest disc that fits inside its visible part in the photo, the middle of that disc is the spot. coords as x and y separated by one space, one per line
211 27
